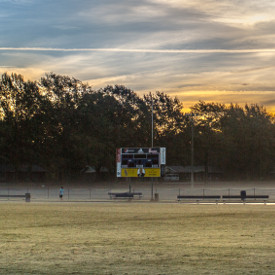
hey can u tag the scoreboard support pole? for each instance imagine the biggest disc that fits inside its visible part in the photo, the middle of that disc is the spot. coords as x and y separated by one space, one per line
130 185
129 180
152 189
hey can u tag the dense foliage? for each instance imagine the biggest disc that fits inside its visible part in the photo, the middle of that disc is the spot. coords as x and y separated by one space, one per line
63 125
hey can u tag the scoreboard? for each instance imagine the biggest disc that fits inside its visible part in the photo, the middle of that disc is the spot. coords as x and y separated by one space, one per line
140 162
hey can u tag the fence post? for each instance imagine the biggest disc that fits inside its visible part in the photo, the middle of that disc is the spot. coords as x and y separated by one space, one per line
28 197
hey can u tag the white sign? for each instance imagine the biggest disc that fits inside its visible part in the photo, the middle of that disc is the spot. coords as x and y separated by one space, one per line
162 155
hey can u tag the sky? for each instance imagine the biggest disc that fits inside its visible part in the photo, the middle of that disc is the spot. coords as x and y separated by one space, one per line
211 50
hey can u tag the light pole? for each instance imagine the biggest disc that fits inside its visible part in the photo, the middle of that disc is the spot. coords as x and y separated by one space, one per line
192 153
152 121
191 115
152 183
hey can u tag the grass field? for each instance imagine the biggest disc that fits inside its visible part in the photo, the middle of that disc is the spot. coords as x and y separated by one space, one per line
136 238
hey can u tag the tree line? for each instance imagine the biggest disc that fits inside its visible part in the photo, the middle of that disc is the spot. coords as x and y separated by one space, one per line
63 124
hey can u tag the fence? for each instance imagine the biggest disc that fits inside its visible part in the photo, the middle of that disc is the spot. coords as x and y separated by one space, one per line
165 192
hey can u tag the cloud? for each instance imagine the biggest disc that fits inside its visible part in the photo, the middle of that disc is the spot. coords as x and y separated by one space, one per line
16 1
185 48
122 12
135 50
153 69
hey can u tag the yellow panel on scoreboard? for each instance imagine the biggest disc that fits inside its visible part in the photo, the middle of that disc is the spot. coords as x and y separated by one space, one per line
140 172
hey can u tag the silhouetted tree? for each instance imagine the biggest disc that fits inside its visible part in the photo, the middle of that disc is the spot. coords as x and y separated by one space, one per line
63 124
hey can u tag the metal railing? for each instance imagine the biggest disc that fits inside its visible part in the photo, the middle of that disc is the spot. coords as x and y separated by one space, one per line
165 192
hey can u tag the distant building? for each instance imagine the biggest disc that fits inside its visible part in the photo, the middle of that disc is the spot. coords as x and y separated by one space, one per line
88 173
32 173
7 173
22 173
272 174
200 172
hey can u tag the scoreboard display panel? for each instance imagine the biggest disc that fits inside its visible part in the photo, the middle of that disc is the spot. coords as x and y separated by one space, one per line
140 162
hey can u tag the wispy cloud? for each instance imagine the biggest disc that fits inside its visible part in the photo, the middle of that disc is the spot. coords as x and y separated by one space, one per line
44 49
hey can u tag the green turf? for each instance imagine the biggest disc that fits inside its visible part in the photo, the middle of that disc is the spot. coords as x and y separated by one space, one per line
136 238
